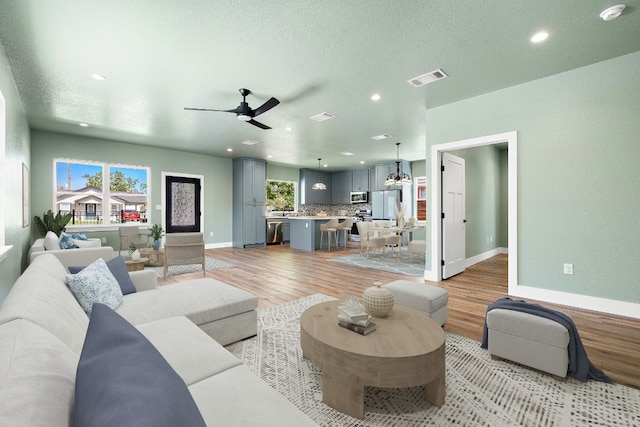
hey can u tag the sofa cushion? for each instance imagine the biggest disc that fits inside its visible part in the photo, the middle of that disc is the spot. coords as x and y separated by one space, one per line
51 241
37 377
66 242
123 380
119 270
93 284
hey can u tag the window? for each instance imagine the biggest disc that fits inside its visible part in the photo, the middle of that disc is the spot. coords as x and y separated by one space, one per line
282 195
421 198
81 188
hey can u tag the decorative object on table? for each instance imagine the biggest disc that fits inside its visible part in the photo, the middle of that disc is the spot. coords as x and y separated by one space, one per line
321 213
134 252
49 222
362 330
352 311
401 208
156 233
377 300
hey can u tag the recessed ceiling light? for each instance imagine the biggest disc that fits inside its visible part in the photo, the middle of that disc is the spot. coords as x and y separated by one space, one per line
612 13
381 136
269 156
250 142
539 37
346 153
362 162
98 77
375 97
84 125
288 129
322 117
325 166
229 149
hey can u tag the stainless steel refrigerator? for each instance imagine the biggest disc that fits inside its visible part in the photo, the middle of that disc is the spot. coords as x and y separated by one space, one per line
383 204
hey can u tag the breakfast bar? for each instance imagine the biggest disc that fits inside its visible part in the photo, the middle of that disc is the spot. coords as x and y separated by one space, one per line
305 231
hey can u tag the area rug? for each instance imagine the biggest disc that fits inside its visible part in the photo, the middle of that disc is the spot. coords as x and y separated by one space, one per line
387 262
174 270
479 391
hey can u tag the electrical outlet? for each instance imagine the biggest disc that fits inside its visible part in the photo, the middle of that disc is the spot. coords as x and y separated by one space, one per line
211 234
568 269
103 240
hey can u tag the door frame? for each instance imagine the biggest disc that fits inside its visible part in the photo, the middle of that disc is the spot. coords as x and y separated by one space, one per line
163 195
511 138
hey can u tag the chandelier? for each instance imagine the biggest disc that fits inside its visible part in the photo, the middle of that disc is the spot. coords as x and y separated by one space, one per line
399 177
319 185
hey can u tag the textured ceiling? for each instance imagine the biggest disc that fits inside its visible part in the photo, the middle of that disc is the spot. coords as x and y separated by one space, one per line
314 56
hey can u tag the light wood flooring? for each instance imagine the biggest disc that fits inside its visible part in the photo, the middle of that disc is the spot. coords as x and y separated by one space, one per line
277 274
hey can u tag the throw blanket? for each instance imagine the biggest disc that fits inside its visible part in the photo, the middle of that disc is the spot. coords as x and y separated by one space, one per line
580 367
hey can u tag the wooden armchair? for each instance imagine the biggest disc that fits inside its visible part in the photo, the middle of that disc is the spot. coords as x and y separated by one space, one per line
130 234
184 249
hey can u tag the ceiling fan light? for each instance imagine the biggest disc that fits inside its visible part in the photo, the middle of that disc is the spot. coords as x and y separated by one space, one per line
244 117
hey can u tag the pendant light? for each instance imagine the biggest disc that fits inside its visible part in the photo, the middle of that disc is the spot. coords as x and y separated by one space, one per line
319 185
398 178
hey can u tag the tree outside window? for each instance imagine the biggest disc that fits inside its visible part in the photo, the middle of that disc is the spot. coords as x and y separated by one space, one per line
281 195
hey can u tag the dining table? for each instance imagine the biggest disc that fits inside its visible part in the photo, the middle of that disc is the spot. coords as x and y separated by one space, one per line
399 231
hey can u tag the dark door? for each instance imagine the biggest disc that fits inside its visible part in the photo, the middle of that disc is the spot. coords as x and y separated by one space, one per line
183 204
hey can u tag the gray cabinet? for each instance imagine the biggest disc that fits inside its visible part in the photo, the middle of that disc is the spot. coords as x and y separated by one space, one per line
382 171
308 177
249 196
286 231
341 183
360 180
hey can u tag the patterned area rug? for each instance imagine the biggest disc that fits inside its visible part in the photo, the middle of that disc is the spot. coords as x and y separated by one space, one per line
479 391
174 270
386 262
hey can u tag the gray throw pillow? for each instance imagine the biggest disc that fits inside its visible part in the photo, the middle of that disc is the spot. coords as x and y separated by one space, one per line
122 379
119 270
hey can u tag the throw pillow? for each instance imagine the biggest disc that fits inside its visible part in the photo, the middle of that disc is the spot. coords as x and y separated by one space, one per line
122 379
51 241
119 270
66 242
93 243
79 236
95 283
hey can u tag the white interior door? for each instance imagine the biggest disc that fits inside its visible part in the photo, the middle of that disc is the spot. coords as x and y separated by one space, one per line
453 215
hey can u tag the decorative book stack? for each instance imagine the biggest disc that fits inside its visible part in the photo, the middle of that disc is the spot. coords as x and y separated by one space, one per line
351 315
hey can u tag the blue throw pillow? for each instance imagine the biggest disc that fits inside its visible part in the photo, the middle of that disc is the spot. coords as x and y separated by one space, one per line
79 236
119 270
122 379
93 284
66 242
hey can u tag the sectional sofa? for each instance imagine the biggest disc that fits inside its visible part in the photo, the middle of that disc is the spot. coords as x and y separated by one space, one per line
43 331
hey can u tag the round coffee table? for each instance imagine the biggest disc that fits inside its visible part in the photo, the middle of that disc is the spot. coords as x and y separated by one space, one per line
406 350
135 265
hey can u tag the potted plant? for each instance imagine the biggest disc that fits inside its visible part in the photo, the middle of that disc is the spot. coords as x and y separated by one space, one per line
49 222
155 232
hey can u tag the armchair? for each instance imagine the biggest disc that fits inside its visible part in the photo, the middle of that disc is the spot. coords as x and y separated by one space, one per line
367 239
184 249
130 234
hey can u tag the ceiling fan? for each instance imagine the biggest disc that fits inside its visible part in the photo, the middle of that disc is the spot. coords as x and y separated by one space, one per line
244 112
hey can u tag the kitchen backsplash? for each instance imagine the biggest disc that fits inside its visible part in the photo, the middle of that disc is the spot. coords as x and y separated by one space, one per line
342 210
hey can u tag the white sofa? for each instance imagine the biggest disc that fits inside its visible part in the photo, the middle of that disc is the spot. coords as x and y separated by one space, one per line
78 256
42 331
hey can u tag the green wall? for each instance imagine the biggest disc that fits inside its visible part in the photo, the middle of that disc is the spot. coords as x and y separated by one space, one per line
578 175
16 153
216 171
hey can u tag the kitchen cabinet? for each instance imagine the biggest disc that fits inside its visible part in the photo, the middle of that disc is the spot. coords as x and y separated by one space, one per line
249 196
360 180
341 187
382 171
286 231
308 177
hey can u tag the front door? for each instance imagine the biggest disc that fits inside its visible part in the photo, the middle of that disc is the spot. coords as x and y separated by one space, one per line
183 204
453 215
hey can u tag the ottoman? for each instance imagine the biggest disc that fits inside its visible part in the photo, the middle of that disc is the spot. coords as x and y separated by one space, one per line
530 340
429 299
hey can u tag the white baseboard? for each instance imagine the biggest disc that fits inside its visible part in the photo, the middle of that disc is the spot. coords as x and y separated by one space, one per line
218 245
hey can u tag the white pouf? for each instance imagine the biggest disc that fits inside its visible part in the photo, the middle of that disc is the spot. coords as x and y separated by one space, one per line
429 299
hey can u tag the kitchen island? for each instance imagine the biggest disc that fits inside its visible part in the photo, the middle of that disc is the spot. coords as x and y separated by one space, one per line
305 231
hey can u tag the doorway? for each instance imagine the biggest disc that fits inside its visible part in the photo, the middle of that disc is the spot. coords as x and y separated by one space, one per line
182 196
510 138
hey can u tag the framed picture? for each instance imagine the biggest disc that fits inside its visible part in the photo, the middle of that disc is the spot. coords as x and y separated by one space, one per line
26 202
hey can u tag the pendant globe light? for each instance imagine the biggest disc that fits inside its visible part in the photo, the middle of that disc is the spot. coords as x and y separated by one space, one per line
398 178
319 185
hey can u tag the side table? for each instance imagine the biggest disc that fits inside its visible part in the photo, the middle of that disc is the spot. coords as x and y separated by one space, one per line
156 258
135 265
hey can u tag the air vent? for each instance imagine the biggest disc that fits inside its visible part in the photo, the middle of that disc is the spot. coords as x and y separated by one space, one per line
322 117
382 136
427 78
346 153
250 142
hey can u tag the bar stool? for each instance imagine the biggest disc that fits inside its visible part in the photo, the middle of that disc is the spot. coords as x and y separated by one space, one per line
345 226
329 227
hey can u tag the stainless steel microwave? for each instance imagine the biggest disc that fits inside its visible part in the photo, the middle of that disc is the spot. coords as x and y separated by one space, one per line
359 197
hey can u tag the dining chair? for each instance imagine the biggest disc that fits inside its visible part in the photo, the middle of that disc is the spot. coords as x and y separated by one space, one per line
367 239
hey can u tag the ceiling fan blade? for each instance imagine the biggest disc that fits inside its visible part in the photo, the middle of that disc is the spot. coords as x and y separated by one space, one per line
209 109
260 125
265 107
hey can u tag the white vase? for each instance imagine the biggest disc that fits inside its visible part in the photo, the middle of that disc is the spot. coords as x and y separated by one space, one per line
135 255
377 301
